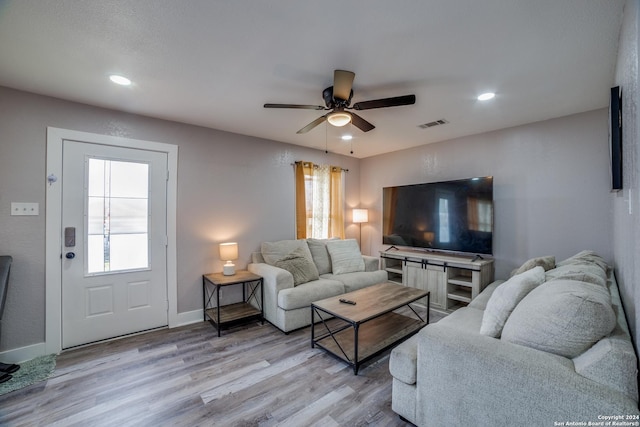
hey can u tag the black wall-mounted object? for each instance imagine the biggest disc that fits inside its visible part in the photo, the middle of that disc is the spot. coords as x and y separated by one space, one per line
615 138
452 216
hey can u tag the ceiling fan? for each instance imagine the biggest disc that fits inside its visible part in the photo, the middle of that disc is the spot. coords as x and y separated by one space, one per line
337 98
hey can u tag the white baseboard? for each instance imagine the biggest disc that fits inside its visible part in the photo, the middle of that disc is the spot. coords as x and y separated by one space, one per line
190 317
22 354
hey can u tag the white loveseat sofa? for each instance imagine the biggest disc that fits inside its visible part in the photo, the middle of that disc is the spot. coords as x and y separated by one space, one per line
297 272
543 348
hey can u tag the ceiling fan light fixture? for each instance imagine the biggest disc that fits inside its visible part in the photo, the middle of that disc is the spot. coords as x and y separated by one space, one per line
339 118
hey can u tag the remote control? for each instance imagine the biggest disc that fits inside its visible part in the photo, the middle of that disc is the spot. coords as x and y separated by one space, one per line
347 301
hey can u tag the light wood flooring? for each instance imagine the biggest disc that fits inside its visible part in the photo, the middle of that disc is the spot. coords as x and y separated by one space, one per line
254 375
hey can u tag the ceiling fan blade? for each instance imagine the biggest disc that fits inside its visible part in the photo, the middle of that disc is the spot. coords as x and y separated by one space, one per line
342 83
361 123
313 124
303 107
385 102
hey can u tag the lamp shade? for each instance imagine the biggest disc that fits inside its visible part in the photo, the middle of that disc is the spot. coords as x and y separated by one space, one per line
228 251
360 215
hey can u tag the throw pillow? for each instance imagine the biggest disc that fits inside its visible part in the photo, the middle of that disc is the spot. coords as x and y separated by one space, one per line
275 251
299 266
562 317
590 273
546 262
320 255
506 297
586 257
345 256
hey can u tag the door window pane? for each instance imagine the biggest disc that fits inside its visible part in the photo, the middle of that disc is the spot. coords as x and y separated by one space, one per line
96 216
117 216
129 179
128 216
128 251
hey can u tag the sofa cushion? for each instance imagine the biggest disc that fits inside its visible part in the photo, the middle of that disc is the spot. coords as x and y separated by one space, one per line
403 362
303 295
611 361
547 262
275 251
359 280
465 319
256 257
562 317
371 263
505 298
318 249
589 273
345 256
586 257
299 266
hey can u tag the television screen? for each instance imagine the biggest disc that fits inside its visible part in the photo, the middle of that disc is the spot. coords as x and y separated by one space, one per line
455 216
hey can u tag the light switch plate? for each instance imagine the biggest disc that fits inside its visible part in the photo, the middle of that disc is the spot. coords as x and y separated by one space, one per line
25 208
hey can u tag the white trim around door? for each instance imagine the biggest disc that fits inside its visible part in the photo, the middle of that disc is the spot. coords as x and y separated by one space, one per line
53 233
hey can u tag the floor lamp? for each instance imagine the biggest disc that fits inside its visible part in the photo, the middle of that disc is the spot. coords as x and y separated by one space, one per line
360 216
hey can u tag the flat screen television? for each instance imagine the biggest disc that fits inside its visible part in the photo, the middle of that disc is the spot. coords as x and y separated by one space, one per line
451 216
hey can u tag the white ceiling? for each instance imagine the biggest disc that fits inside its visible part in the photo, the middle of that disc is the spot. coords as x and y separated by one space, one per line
215 63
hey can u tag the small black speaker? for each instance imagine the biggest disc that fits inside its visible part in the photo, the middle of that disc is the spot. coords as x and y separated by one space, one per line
615 138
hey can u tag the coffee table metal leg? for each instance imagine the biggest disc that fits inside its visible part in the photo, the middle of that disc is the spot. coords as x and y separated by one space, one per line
356 364
331 333
313 327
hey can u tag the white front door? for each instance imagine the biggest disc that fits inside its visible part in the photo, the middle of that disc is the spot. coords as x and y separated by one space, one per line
114 225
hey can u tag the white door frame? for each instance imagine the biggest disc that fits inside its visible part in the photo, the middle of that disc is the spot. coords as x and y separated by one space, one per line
53 221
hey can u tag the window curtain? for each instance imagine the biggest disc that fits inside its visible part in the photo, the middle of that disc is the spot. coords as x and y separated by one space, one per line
319 201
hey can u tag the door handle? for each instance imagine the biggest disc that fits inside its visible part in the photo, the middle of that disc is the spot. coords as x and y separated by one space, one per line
70 255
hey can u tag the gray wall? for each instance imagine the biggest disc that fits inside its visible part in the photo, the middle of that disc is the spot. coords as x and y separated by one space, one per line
230 187
551 185
626 203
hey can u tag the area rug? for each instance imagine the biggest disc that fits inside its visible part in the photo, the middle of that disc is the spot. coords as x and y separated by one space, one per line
31 372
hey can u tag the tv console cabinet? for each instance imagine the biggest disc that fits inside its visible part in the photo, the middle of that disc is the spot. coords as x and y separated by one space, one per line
452 280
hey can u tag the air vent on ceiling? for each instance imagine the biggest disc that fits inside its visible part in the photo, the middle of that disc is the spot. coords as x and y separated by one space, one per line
434 123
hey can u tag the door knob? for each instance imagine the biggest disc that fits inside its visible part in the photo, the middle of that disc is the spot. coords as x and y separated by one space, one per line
70 255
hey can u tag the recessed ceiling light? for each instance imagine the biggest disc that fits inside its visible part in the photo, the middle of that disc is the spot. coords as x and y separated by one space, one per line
347 137
486 96
121 80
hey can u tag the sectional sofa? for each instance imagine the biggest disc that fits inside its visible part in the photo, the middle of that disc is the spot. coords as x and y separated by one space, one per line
549 346
297 272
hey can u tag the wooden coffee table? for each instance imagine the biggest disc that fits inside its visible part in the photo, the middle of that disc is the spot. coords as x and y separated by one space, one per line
368 327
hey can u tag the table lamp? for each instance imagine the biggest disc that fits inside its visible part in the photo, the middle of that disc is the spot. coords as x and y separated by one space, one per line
228 253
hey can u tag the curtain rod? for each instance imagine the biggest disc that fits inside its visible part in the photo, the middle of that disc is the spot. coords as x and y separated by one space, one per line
315 166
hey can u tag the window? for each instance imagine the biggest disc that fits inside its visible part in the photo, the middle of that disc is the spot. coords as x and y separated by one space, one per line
319 201
117 220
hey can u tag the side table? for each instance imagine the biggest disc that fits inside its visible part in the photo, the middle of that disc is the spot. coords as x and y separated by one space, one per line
224 315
